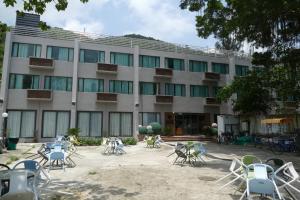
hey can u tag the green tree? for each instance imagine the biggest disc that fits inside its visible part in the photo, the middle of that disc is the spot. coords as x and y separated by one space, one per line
271 25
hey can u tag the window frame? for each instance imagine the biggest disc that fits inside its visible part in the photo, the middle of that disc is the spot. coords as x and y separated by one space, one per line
226 65
35 52
182 67
191 89
99 83
156 88
193 62
59 47
130 58
142 118
241 68
67 83
14 83
122 82
157 61
98 56
56 118
90 122
120 124
173 87
24 110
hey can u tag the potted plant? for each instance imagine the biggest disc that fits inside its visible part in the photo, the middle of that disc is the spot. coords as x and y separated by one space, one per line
11 142
142 132
73 134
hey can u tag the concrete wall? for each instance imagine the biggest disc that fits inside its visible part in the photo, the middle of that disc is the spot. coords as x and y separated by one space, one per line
16 99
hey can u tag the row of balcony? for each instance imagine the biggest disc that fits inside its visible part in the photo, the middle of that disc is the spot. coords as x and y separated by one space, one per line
48 64
46 95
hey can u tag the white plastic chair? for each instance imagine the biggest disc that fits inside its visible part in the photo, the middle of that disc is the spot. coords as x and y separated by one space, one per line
199 152
18 186
119 148
290 176
258 181
57 154
237 170
158 141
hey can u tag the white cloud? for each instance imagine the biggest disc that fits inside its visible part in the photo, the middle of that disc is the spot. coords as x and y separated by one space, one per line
160 18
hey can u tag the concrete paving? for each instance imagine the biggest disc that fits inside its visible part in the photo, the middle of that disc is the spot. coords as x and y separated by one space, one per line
146 173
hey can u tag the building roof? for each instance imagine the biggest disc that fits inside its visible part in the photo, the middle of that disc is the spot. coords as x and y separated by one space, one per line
123 41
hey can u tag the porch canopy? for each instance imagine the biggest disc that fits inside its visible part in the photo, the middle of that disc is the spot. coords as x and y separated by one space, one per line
276 121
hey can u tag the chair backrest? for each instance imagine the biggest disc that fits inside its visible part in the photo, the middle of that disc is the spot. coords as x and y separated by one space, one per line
30 165
57 147
250 159
57 155
119 141
60 138
260 170
261 186
4 167
290 171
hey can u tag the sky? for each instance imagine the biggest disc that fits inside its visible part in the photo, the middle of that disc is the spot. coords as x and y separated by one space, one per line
161 19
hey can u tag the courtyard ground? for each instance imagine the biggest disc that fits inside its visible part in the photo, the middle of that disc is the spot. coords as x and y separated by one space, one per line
144 173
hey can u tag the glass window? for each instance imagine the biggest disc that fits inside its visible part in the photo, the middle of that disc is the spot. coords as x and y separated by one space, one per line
123 59
146 118
215 90
60 53
26 50
197 66
241 70
199 91
173 63
124 87
120 124
22 81
90 124
91 56
149 88
90 85
58 83
220 68
21 124
149 61
55 123
175 89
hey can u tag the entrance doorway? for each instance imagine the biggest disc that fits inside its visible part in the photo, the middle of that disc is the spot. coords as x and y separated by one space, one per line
190 123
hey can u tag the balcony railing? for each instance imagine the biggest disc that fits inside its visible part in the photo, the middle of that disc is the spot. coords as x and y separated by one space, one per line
107 68
164 99
211 76
45 95
107 97
163 73
41 63
210 101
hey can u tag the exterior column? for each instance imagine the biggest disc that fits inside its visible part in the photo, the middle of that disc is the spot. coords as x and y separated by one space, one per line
74 84
5 77
136 92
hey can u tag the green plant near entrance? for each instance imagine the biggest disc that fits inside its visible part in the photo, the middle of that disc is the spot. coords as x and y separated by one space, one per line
90 141
73 132
129 141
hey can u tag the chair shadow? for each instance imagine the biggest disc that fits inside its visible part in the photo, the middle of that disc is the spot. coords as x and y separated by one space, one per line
81 190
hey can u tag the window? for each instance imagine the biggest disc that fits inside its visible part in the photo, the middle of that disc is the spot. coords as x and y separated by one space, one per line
149 61
197 66
120 124
199 91
90 85
90 124
176 64
58 83
55 123
149 88
26 50
220 68
123 59
241 70
60 53
124 87
175 89
146 118
22 81
91 56
215 90
21 124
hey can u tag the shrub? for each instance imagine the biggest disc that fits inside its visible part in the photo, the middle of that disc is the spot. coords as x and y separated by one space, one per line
156 128
142 130
129 141
90 141
73 132
167 131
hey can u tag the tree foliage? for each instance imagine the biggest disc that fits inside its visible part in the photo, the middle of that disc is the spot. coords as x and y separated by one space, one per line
37 7
273 26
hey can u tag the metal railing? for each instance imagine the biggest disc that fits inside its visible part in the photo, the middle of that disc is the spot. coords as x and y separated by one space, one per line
156 45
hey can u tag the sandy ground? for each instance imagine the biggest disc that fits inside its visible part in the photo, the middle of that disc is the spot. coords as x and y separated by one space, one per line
146 173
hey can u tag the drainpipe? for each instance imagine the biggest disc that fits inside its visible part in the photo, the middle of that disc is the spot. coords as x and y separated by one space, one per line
136 92
74 84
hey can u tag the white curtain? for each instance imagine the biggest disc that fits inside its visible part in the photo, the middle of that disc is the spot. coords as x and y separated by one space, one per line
13 124
126 124
83 123
49 124
63 54
23 50
27 126
96 124
114 124
62 123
